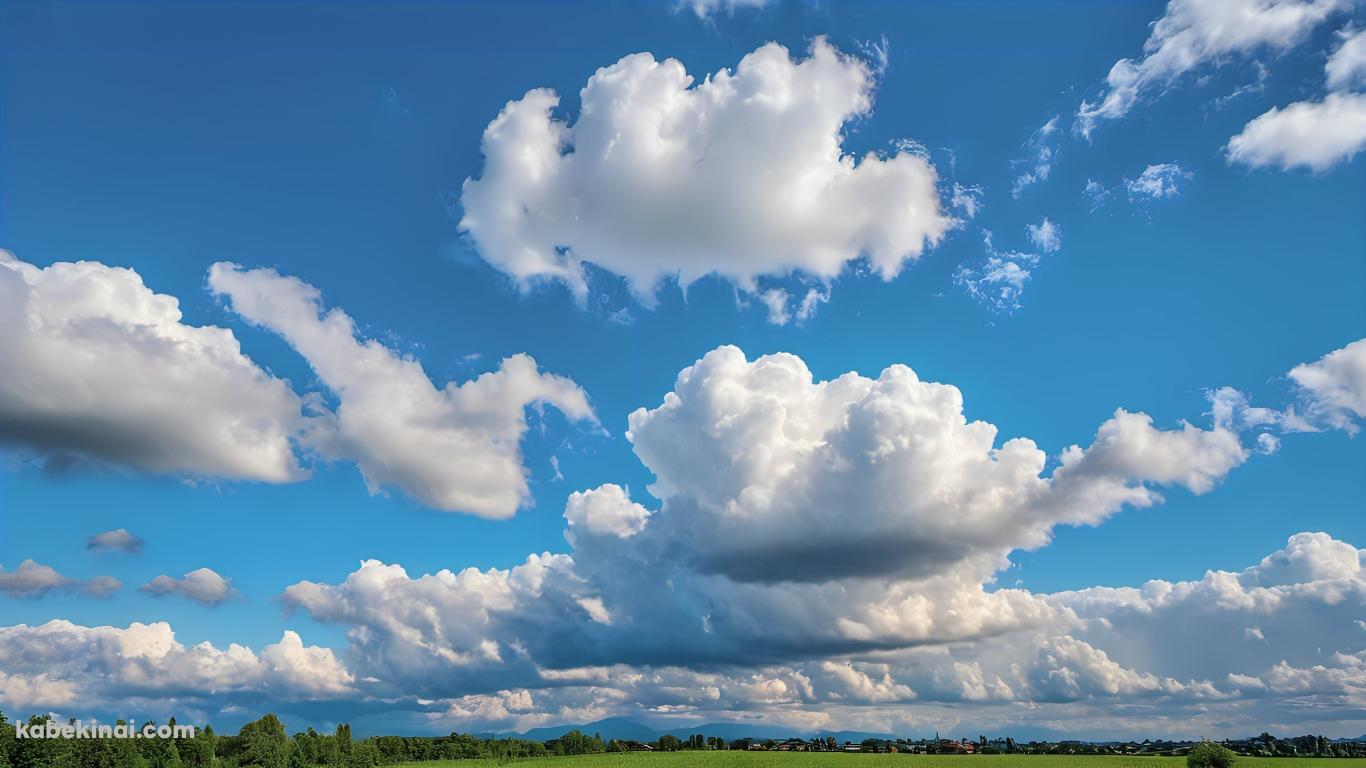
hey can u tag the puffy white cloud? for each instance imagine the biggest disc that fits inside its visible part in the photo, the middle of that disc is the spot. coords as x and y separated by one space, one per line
826 545
32 579
203 585
309 671
438 630
1307 134
1157 182
1046 236
1303 600
1346 68
1192 33
48 665
452 448
606 510
742 175
1333 388
788 478
99 367
1329 393
856 514
117 540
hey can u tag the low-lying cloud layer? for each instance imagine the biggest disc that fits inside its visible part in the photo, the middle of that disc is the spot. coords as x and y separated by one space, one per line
822 553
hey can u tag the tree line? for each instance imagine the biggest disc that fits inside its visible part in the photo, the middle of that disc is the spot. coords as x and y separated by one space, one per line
264 743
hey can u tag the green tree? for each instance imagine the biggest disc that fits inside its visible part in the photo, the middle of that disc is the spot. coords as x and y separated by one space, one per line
669 743
264 744
1207 754
575 743
364 754
38 753
344 739
6 740
202 750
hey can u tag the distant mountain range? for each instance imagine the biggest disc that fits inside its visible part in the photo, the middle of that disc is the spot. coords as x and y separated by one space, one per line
625 729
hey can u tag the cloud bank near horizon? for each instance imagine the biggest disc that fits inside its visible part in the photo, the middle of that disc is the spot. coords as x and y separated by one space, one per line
822 555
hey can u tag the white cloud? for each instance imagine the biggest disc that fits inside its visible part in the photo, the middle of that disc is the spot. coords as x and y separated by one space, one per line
1307 134
60 664
32 579
117 540
307 671
997 282
1301 600
204 586
1193 33
1346 68
1040 154
1329 393
1000 279
604 510
1099 653
775 300
1157 182
452 448
706 9
742 175
100 367
1097 193
1046 236
782 310
1333 388
966 199
868 518
785 502
440 630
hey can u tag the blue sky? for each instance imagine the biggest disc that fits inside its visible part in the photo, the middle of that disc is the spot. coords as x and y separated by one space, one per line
331 144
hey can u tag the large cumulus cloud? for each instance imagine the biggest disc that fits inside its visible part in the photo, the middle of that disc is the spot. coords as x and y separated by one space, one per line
98 366
773 476
798 520
742 175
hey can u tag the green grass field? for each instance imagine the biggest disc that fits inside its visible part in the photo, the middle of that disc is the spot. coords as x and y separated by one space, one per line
830 760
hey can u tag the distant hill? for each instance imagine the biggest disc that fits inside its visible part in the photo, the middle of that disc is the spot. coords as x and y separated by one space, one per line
610 728
625 729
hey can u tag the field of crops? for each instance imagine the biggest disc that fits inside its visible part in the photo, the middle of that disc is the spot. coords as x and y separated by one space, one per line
834 760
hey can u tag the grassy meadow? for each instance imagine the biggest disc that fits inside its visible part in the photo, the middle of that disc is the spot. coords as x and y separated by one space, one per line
737 759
